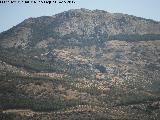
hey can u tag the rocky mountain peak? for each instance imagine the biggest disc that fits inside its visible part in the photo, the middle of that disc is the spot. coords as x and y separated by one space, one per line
76 22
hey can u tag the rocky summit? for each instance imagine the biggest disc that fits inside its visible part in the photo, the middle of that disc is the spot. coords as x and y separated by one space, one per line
81 64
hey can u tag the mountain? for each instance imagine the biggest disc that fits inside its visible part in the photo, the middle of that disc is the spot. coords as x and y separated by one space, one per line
81 64
80 22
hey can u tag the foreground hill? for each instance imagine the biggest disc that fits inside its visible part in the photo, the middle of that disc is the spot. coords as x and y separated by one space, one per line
81 64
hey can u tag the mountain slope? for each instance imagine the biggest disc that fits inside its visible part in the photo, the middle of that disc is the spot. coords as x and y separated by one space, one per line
79 22
81 64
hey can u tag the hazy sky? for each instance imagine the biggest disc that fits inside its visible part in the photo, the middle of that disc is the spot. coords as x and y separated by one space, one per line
12 14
